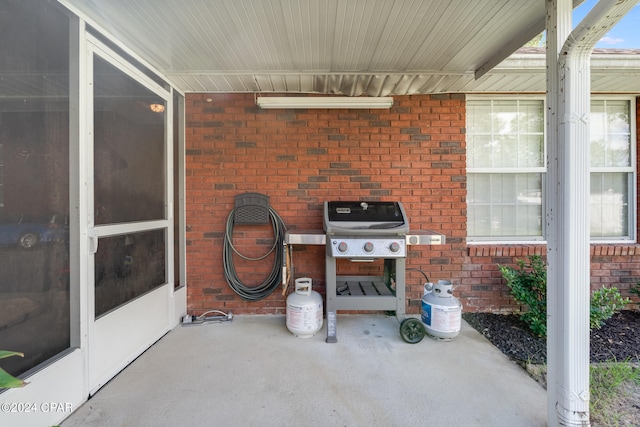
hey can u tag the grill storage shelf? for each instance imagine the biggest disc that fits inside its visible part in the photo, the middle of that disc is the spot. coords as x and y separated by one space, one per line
363 292
355 286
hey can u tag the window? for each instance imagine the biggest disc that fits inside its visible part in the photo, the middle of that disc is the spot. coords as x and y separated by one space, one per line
612 169
506 169
35 302
505 165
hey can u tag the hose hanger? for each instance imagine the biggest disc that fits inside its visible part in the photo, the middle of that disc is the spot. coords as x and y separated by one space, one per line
251 208
254 209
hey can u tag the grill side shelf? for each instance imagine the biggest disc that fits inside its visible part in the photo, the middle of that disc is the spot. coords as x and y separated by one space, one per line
305 238
425 238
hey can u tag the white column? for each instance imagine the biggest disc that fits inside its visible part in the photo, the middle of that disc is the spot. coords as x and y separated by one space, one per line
567 207
567 204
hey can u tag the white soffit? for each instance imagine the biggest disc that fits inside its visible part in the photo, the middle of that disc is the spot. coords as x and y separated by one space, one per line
612 71
345 47
350 47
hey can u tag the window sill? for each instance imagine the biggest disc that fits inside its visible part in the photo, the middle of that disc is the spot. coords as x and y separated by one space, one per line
523 250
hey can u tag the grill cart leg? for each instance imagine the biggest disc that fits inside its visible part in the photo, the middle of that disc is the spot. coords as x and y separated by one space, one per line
331 327
330 264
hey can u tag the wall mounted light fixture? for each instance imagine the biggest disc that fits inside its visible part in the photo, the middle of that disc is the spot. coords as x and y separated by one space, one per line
363 102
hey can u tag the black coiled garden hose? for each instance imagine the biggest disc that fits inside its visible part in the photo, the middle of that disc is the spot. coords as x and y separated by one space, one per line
264 289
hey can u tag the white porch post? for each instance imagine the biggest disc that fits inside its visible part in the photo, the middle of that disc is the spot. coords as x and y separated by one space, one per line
567 207
567 204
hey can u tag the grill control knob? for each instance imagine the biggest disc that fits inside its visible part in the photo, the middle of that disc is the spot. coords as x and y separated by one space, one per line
368 247
394 247
342 247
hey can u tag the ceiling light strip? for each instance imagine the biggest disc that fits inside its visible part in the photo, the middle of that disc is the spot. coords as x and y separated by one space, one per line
324 102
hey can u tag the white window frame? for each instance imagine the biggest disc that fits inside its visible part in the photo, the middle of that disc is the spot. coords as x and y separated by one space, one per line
632 170
539 170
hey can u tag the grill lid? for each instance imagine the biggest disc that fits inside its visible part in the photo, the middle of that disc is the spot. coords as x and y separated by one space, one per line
360 217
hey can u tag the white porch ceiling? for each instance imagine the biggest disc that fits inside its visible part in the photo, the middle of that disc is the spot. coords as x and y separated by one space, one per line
612 71
349 47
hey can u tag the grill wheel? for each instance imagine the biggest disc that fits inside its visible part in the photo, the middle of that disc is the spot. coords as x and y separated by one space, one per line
412 330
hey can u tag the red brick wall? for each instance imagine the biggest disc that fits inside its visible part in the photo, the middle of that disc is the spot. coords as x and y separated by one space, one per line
413 152
611 265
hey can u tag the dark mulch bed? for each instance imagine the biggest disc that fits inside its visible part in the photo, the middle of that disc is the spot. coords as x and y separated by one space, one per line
618 339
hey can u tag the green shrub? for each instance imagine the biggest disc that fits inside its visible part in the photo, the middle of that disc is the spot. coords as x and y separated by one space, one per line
605 302
528 285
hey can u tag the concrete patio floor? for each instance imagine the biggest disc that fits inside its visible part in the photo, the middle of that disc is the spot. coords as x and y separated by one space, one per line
252 371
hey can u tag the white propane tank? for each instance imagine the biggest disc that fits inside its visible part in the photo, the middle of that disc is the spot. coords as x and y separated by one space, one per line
304 309
441 311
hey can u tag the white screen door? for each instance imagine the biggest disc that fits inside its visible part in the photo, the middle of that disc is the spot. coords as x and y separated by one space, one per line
129 222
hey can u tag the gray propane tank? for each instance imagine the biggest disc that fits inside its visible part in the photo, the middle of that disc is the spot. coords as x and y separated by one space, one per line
304 309
441 311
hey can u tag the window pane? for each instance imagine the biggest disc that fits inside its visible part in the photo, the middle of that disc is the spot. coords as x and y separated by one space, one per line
502 189
609 205
531 118
504 221
619 153
597 118
505 117
610 150
531 151
529 189
129 148
479 117
618 116
610 134
128 266
477 185
597 150
480 151
514 138
479 224
505 152
34 190
531 220
504 205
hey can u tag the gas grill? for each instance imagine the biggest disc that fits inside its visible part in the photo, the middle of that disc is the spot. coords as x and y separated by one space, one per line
364 231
